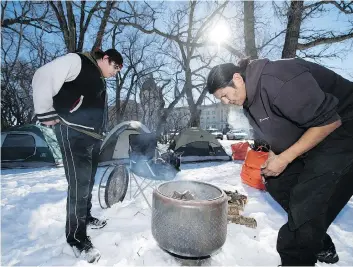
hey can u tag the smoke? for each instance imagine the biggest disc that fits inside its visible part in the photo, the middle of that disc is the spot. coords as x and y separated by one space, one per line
237 119
148 168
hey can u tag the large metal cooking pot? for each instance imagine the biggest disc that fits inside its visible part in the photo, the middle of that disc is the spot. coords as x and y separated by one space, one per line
189 228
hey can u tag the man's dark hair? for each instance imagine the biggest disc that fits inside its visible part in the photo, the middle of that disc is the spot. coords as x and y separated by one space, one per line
112 53
221 75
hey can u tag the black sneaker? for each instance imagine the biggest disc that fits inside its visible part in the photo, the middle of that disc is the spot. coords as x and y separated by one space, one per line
328 256
86 250
96 223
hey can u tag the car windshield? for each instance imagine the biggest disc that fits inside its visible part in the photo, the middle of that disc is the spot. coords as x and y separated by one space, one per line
238 131
213 130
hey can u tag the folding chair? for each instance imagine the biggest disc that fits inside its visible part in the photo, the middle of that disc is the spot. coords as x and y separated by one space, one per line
145 163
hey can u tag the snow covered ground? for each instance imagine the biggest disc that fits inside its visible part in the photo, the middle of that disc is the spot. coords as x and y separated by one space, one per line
33 220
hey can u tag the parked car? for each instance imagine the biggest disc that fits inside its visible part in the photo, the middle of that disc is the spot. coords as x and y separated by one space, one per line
237 135
172 134
217 133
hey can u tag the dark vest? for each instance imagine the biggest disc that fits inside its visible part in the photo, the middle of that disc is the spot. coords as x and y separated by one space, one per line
83 100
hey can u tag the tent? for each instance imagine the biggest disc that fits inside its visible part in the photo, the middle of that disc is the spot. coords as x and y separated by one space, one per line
115 147
29 146
195 144
37 146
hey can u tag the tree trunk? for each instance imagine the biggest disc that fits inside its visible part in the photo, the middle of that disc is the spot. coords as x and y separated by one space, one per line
195 117
101 31
126 101
249 30
118 116
163 119
161 123
71 24
293 29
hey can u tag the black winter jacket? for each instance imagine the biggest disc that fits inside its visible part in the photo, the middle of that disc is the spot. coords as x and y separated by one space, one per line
286 97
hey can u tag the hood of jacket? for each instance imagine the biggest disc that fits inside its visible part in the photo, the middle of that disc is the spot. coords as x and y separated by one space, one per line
253 74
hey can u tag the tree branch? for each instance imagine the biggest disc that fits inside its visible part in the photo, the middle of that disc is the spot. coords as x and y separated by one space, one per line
71 26
100 33
269 41
345 8
325 40
82 20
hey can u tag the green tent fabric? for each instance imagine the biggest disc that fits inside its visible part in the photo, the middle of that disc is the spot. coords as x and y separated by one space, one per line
195 144
29 145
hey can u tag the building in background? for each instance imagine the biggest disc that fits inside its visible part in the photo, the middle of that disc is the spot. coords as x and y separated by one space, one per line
132 111
212 116
151 105
152 102
218 116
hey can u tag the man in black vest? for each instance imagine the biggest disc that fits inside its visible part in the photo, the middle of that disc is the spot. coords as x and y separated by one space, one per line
70 93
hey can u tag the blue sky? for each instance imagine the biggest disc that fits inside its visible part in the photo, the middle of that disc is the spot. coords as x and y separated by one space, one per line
268 24
331 20
334 21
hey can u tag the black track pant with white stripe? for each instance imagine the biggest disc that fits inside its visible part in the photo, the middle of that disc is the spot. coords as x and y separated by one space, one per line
80 158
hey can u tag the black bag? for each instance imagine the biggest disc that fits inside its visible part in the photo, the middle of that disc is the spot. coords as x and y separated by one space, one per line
172 158
260 145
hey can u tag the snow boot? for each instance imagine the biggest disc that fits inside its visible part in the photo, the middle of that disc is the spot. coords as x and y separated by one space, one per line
86 250
328 256
95 223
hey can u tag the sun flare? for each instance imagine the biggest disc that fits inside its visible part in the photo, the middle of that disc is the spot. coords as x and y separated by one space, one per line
220 33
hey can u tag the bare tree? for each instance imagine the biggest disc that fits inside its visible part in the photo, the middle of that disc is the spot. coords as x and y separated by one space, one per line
74 28
16 104
139 62
166 112
27 13
177 121
249 29
186 31
103 25
298 12
23 51
25 26
174 45
293 29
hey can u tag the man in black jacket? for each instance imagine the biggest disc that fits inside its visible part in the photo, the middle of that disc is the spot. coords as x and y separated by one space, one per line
304 111
70 93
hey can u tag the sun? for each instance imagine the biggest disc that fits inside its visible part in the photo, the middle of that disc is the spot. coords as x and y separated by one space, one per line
219 33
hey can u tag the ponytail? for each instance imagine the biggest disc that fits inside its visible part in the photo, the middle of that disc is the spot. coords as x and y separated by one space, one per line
220 76
242 65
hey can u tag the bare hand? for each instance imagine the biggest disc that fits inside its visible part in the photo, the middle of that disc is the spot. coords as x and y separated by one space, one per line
274 165
50 123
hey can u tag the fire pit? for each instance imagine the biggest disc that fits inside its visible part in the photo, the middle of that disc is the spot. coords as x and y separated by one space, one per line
189 218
